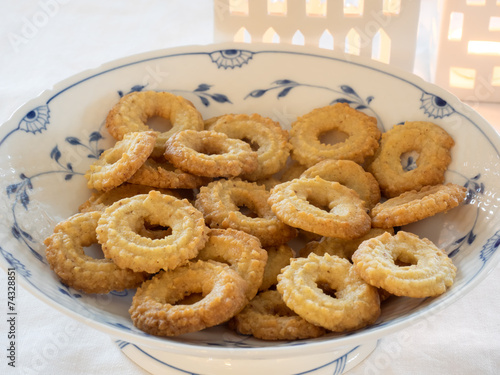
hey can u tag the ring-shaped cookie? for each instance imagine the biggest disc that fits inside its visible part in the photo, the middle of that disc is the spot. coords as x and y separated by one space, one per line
220 200
323 207
302 285
413 206
350 174
361 130
66 257
119 226
267 136
210 154
118 163
428 140
427 271
157 306
158 172
133 110
267 317
241 251
100 200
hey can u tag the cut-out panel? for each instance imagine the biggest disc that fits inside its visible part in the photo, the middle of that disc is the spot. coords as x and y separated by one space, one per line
242 36
480 47
456 26
277 7
381 47
462 77
495 79
391 7
316 8
270 36
494 24
298 38
353 8
476 2
238 7
326 40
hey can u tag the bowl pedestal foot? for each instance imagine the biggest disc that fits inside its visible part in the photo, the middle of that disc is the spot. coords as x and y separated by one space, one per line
335 362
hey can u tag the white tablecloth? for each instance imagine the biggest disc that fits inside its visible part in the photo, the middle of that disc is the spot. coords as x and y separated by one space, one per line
45 41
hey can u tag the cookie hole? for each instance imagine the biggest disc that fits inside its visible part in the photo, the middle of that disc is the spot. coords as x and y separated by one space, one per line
94 251
247 211
409 160
154 232
332 137
190 299
318 203
327 289
282 310
210 149
113 155
405 260
254 145
159 124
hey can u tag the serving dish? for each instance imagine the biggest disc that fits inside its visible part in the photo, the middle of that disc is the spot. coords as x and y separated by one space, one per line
48 144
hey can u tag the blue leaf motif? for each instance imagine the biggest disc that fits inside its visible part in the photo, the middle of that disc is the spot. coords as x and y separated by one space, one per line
204 101
64 292
471 238
15 232
257 93
11 189
342 100
284 92
26 235
202 87
461 239
25 200
55 154
137 88
284 82
220 98
348 90
73 141
95 136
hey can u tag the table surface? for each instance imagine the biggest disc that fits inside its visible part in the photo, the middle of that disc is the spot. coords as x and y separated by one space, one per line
43 42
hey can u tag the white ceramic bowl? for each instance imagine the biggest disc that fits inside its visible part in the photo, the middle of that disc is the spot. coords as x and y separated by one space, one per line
48 144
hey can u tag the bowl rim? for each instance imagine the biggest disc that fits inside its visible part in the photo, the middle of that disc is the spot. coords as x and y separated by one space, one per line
161 343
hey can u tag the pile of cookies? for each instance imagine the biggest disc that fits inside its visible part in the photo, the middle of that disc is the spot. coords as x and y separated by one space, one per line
234 219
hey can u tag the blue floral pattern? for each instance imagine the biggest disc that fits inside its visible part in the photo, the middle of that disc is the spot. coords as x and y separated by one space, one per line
231 58
434 106
18 191
347 94
202 92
